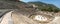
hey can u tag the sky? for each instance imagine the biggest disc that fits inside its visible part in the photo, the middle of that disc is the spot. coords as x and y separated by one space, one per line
55 2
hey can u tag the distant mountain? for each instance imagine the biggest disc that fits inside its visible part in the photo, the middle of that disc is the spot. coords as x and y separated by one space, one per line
45 7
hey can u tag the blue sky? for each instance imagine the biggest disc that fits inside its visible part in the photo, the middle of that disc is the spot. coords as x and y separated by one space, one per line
55 2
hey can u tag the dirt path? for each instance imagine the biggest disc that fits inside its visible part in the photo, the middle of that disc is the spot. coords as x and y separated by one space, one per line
18 18
7 19
56 20
21 19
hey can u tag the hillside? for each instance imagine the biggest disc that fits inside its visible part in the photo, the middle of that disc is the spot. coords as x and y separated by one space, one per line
22 13
45 7
7 4
4 4
19 6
